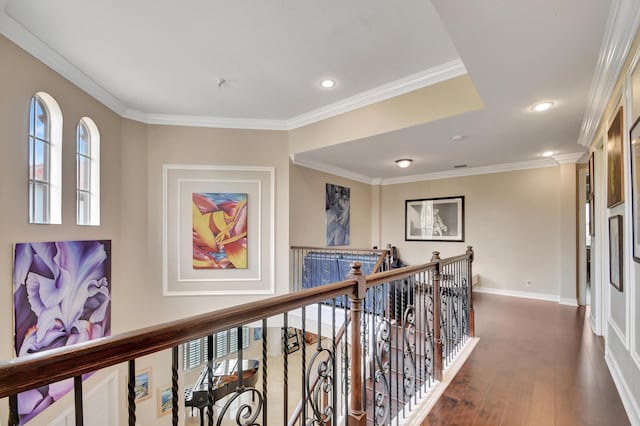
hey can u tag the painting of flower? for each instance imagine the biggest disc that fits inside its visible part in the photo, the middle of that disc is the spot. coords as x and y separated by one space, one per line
219 230
62 296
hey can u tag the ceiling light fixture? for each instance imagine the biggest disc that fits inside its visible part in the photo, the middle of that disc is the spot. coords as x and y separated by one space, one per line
403 163
457 137
542 106
327 84
547 153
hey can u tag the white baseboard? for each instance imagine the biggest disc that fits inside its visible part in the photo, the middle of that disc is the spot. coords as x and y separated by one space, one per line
629 403
568 301
521 294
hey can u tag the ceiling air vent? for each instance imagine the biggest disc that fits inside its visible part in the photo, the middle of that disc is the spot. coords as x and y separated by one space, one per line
459 166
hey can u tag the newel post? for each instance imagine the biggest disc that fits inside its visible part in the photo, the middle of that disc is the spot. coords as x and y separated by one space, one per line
437 339
472 326
357 417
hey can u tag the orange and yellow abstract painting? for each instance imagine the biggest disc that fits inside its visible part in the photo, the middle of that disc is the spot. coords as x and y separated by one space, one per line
219 230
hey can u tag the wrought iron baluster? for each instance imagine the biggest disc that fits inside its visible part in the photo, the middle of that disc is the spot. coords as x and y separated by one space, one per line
174 386
285 366
264 371
14 418
131 392
210 380
77 393
304 361
382 397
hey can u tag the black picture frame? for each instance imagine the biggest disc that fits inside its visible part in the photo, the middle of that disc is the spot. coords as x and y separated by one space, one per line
616 255
634 158
434 219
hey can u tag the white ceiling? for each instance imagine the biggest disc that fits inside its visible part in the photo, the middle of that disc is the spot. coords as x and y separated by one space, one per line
160 61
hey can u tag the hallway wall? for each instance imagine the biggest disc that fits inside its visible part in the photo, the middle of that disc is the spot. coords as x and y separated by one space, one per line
512 220
132 155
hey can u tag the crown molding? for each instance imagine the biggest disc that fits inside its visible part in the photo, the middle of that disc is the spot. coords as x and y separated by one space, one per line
497 168
327 168
568 158
425 78
34 46
621 28
214 122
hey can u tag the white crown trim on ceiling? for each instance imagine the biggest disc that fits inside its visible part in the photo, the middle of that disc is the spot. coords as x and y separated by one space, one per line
497 168
425 78
36 47
333 170
622 25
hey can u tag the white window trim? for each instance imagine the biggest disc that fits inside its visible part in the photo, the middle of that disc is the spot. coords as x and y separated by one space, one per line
55 159
94 196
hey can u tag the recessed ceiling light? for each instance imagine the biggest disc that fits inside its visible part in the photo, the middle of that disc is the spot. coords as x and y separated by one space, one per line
547 153
542 106
457 137
403 163
327 84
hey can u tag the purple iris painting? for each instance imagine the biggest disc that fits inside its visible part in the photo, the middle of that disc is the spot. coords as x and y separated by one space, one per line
62 296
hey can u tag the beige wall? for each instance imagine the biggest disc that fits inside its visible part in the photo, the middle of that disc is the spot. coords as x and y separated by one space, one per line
132 155
19 81
511 220
448 98
308 221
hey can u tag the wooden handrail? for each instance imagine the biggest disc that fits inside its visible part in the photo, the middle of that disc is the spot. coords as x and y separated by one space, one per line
381 259
40 369
338 249
397 274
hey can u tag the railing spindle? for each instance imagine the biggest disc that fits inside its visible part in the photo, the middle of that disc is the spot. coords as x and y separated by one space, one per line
77 391
437 367
210 353
14 418
264 371
131 392
174 386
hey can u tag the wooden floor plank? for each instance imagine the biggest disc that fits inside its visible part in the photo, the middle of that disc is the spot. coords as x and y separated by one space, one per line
537 363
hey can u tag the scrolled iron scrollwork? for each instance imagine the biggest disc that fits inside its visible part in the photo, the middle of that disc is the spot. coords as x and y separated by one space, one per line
323 359
382 368
247 412
409 370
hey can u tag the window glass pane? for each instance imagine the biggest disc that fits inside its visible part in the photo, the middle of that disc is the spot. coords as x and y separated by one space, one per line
42 121
83 145
41 171
84 173
40 200
83 208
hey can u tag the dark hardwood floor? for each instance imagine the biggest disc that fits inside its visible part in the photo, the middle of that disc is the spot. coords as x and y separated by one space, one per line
537 363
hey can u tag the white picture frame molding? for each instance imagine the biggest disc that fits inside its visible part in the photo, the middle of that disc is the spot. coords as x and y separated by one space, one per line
180 181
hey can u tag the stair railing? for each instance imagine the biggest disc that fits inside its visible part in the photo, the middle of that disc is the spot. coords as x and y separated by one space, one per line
390 353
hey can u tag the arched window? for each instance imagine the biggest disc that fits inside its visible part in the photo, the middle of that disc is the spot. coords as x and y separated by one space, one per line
87 173
45 160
